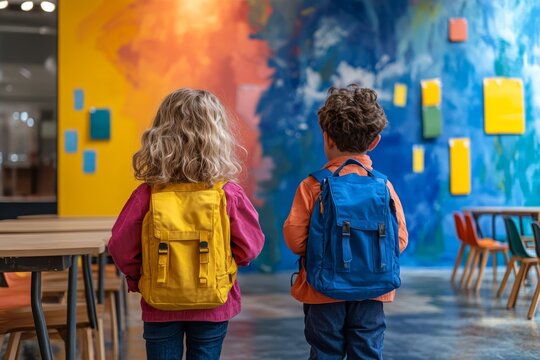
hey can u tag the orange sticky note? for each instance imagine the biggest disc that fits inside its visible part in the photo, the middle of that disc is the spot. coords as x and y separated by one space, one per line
457 29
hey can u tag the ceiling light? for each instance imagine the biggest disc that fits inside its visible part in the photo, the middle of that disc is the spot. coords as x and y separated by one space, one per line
3 4
47 6
27 6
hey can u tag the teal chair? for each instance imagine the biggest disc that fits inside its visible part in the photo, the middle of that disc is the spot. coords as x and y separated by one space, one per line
534 302
520 254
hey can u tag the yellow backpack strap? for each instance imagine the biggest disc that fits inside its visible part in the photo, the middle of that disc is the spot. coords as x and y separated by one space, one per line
204 258
163 259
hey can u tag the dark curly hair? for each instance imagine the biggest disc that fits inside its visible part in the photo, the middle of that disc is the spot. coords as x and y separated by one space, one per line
352 117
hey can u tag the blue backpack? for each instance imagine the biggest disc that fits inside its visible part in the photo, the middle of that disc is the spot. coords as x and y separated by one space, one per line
353 246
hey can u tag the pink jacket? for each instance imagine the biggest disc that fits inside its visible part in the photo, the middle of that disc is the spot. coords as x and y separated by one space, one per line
247 241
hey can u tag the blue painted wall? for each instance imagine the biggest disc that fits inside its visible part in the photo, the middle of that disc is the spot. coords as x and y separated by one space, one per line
319 43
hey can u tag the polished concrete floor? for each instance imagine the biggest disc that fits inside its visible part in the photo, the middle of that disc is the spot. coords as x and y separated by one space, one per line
429 320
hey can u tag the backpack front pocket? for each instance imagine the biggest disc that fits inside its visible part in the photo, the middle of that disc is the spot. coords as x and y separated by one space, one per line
361 246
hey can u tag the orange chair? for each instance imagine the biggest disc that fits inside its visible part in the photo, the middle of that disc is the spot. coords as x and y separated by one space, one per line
462 237
482 248
462 229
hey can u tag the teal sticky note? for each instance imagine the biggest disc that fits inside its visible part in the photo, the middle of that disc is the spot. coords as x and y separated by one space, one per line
100 124
70 141
78 99
89 161
432 121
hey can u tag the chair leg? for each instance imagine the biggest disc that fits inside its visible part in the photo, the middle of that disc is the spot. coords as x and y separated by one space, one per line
473 268
494 264
523 269
514 267
99 341
87 344
458 261
534 301
12 350
509 267
114 324
485 256
466 269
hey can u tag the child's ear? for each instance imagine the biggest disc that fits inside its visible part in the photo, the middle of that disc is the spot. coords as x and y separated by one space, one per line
374 143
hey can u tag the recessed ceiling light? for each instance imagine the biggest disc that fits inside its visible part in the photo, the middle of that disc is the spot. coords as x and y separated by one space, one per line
27 6
48 6
3 4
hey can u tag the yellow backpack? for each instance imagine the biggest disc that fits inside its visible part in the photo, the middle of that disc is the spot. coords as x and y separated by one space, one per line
186 251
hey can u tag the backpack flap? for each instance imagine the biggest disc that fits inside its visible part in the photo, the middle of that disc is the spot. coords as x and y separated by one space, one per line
360 208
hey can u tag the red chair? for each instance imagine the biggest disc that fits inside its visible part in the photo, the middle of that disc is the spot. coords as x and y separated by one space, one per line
482 248
462 237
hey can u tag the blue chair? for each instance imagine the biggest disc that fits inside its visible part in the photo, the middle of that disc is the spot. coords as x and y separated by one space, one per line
534 302
520 254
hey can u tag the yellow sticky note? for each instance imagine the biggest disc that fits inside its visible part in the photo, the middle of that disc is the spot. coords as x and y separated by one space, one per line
504 111
460 166
400 95
418 158
431 92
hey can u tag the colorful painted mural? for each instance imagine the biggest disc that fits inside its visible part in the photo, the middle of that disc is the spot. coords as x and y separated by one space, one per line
316 44
271 61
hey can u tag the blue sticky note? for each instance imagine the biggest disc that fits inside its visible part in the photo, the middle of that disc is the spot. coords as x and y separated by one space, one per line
70 141
78 99
89 161
100 124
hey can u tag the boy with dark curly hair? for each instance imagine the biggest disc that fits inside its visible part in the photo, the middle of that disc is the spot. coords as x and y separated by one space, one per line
351 121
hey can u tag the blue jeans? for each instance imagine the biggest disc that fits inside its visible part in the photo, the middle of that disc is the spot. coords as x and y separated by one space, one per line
352 328
165 340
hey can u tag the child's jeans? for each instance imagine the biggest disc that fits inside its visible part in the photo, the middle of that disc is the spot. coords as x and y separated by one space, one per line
352 328
165 340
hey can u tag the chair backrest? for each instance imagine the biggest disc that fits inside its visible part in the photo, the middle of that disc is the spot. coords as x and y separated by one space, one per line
536 233
472 235
460 227
514 239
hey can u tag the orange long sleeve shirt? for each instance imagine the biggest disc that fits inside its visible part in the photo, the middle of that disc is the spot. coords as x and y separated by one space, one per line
296 227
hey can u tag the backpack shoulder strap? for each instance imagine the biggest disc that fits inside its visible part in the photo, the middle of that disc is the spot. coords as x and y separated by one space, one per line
320 175
379 175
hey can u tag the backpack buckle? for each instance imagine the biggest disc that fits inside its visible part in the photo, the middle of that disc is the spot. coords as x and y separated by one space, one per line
346 228
163 248
382 230
203 247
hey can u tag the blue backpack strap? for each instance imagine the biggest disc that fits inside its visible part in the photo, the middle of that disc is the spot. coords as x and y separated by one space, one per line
379 175
322 174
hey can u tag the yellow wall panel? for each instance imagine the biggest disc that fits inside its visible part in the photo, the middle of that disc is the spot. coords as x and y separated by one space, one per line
460 166
126 55
418 158
431 92
400 95
504 111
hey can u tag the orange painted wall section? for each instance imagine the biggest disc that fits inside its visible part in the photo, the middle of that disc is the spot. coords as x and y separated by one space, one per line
126 55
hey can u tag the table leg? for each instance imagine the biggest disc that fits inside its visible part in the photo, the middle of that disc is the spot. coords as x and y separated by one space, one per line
71 338
89 291
39 317
101 278
521 228
478 229
493 226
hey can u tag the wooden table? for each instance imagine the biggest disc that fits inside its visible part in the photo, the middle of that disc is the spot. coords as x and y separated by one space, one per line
53 252
519 211
46 225
63 224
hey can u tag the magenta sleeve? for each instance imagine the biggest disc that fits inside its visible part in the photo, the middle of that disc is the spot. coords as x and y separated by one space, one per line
125 243
247 238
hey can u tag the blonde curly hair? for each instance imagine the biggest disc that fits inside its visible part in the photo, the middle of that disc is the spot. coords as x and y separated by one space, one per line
189 141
